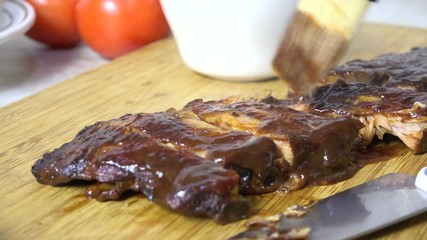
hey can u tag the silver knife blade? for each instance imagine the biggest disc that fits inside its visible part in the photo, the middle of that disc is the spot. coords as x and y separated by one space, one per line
358 211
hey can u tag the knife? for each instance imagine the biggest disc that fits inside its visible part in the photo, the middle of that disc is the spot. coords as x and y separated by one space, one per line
355 212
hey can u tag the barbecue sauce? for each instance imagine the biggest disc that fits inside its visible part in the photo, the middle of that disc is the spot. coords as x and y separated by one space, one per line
314 148
121 158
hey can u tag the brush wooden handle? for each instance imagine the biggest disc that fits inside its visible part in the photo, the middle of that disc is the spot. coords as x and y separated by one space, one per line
320 32
335 16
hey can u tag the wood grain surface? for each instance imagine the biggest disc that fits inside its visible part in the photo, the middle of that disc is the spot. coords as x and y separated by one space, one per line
147 80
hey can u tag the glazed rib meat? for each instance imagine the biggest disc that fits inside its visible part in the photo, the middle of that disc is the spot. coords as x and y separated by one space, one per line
403 70
97 153
256 159
121 157
396 111
314 148
200 160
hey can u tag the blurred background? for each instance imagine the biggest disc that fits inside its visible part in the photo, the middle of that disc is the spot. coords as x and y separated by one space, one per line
27 67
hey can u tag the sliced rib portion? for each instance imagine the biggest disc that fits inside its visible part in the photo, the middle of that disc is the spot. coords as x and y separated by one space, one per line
315 149
256 159
400 112
121 157
405 70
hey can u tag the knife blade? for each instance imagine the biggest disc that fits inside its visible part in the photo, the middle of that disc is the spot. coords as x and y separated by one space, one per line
357 211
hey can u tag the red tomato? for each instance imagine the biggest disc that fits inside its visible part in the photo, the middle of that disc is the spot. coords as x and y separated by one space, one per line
115 27
55 23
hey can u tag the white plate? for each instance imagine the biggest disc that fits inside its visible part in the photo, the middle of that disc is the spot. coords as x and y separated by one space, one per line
2 4
16 18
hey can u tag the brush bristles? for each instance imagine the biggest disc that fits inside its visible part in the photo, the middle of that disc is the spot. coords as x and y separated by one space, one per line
320 32
307 51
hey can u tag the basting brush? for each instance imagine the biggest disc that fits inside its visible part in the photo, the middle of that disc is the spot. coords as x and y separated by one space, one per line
319 33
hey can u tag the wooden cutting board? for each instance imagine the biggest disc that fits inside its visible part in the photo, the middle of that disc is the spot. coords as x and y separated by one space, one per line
147 80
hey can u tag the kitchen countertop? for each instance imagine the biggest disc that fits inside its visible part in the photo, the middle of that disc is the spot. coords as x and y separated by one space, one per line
27 67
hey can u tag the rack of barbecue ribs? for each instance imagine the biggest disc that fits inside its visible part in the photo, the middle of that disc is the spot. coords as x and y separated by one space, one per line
197 168
205 159
312 146
382 110
407 70
387 94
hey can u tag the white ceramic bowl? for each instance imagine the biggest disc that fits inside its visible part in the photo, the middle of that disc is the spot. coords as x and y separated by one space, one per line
229 39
